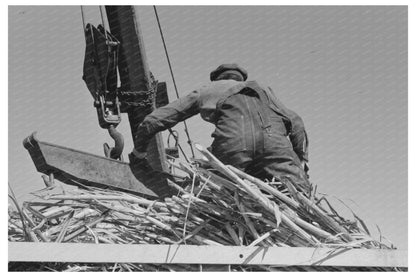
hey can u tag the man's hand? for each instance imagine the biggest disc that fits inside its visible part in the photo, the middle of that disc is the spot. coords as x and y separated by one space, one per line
139 155
138 161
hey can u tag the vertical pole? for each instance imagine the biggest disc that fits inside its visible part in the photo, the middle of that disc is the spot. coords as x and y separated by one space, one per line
134 74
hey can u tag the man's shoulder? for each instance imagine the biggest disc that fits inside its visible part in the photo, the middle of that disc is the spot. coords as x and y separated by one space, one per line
220 86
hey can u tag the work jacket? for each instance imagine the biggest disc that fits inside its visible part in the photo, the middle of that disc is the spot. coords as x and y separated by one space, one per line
207 100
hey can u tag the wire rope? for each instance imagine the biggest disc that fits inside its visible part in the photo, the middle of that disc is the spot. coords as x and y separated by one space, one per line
173 78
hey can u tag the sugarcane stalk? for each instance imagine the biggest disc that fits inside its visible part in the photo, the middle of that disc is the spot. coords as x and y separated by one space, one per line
194 232
101 239
32 226
52 213
261 238
185 168
33 211
229 173
158 237
313 229
140 201
213 217
185 193
328 220
265 187
249 223
65 227
218 180
209 182
232 233
84 228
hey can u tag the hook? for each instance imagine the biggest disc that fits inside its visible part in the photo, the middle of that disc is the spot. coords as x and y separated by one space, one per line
114 152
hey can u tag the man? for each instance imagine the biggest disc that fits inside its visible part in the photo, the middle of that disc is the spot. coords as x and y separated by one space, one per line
254 131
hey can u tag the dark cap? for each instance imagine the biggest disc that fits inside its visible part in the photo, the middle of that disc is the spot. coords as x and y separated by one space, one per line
226 67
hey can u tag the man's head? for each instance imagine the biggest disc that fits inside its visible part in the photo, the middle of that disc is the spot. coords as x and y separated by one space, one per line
229 71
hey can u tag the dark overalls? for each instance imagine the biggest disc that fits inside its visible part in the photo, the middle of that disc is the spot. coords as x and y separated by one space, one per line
252 128
252 137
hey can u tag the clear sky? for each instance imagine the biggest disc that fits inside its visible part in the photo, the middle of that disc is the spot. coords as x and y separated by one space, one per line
343 69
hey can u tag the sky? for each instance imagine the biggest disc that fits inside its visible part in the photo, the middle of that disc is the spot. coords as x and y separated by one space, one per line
343 69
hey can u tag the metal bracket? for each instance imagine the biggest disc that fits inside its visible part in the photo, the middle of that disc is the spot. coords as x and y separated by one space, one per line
100 74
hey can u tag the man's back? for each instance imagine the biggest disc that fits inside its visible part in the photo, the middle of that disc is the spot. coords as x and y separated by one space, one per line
253 129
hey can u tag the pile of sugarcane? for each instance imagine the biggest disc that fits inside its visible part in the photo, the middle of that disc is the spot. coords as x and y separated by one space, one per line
216 205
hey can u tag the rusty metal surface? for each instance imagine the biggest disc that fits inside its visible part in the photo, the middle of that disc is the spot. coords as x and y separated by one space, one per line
75 167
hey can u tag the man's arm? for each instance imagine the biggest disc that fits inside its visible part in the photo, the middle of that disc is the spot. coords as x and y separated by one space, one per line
299 139
163 118
298 135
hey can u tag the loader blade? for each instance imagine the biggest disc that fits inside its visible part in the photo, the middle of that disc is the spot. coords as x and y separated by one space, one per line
75 167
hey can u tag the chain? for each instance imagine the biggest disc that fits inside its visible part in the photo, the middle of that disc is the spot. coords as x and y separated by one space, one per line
148 95
143 104
140 93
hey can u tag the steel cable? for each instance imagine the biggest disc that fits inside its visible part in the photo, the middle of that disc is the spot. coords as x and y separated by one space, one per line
173 77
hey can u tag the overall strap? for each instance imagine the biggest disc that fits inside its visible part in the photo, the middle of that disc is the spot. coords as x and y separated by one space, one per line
268 104
265 102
